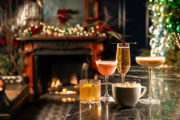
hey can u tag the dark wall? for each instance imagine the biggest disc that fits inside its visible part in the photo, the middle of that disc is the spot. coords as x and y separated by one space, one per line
135 22
136 26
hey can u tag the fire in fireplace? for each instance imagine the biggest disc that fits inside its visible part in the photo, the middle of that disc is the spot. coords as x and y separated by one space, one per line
67 93
61 72
59 89
62 92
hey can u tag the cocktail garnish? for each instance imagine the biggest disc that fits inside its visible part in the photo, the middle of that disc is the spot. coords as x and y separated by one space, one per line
88 85
123 43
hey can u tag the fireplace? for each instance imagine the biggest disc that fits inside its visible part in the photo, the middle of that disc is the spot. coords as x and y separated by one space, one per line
66 68
48 58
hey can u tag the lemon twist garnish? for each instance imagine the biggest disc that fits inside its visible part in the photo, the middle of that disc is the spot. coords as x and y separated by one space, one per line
87 85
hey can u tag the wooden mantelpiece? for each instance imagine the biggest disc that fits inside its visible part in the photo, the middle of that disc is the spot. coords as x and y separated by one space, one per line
39 38
32 47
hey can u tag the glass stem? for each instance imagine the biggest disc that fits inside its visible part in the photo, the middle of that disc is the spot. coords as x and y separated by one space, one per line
107 110
123 78
150 94
106 87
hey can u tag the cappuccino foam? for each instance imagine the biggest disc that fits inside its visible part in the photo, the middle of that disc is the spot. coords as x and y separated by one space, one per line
127 85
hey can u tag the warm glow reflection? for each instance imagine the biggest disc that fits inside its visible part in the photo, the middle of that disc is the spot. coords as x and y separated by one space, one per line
68 99
66 92
63 99
92 110
76 86
99 110
74 79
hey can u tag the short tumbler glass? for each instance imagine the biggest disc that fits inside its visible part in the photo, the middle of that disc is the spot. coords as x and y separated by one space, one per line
90 91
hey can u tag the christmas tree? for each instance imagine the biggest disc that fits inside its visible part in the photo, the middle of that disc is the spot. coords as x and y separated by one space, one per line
165 18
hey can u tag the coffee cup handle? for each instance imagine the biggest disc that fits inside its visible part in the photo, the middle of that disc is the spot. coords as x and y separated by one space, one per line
144 91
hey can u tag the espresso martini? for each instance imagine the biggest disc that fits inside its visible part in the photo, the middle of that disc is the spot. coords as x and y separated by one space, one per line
150 61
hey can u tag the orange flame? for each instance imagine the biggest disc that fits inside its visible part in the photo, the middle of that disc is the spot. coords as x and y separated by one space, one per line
56 82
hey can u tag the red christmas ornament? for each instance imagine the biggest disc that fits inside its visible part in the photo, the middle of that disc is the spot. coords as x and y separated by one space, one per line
95 35
36 31
45 34
32 29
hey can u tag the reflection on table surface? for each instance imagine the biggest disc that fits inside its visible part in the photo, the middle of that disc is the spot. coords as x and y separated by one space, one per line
165 87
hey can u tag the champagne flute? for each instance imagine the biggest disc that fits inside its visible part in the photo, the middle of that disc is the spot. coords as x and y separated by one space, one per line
123 58
150 62
106 68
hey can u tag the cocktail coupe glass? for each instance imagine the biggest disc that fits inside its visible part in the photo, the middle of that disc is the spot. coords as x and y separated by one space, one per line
124 59
106 68
150 62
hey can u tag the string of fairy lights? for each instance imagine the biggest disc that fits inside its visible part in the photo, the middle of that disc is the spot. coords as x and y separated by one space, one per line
46 30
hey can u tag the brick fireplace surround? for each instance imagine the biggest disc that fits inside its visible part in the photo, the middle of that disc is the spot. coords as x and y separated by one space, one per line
35 46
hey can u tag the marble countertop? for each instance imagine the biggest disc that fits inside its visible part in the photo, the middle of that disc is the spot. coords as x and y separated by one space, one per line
165 87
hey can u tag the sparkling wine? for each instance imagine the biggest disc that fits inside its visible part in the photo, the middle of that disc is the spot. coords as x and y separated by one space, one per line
106 68
123 57
150 61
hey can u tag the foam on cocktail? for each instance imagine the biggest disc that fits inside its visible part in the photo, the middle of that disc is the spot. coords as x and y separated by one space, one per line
127 85
106 68
150 61
106 62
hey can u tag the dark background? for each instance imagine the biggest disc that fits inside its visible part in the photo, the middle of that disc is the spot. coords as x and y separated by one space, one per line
135 18
135 23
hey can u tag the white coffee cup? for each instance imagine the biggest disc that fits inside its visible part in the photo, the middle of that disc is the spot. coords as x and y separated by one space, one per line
128 95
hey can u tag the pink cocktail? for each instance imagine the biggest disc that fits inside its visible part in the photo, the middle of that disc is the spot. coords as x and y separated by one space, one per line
106 68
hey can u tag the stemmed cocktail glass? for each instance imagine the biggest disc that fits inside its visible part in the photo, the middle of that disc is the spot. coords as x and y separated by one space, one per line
150 62
106 68
123 58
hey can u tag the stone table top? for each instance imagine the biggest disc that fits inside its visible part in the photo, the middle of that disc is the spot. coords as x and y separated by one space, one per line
165 87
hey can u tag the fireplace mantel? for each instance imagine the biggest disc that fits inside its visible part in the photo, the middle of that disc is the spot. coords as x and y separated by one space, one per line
69 38
39 45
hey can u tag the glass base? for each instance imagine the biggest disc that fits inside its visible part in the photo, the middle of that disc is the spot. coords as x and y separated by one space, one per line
107 99
149 101
90 101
